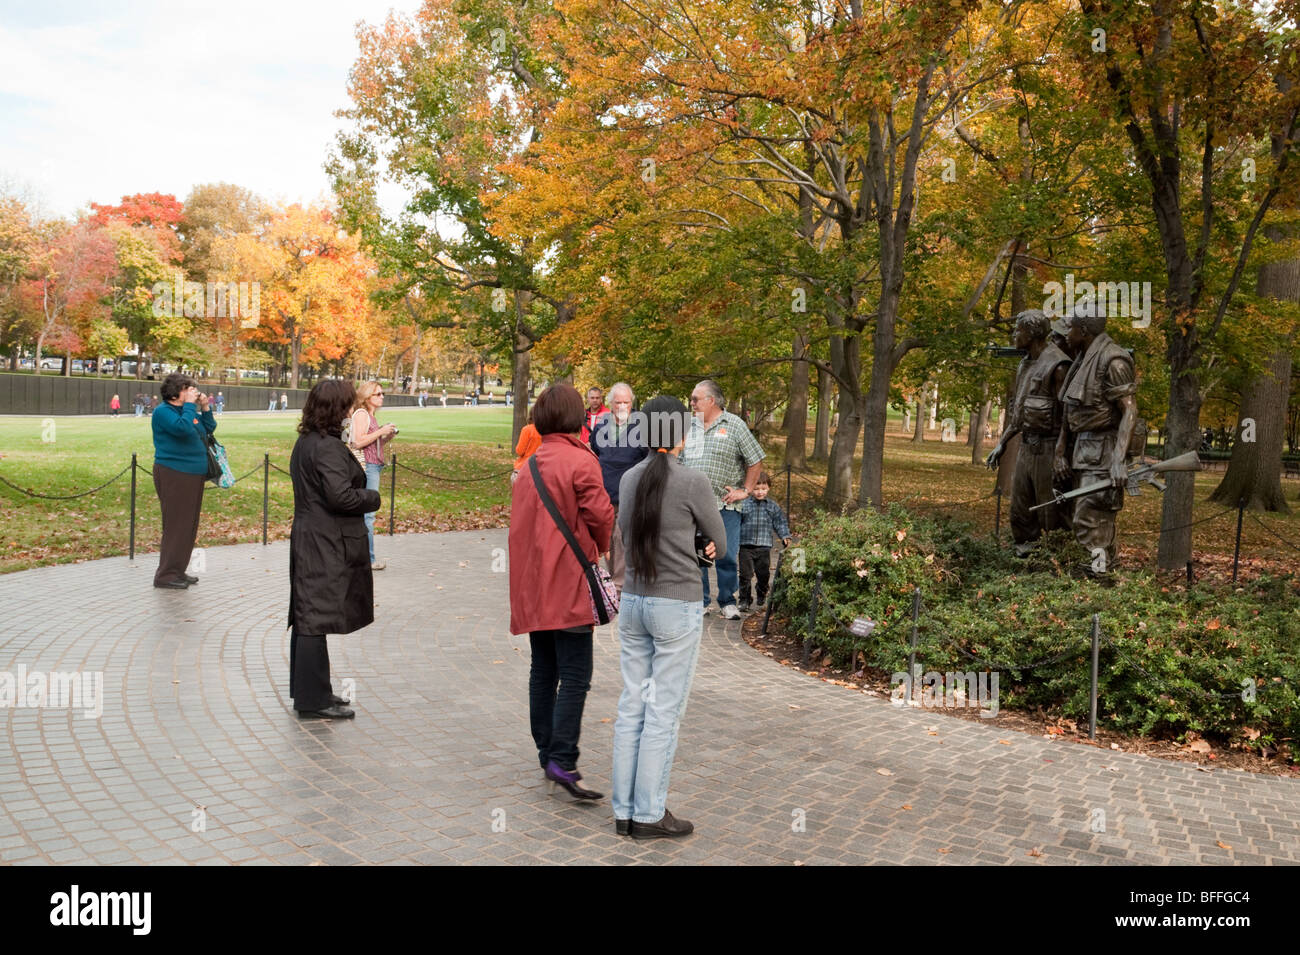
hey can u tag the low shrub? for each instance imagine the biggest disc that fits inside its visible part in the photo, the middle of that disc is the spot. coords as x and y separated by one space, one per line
1172 659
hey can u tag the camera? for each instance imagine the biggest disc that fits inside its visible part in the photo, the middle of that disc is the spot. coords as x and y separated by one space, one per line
701 542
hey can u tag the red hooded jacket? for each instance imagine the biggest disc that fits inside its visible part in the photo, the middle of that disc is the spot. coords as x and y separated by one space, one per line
548 590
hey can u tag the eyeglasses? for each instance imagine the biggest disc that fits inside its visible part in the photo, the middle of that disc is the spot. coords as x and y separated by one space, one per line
695 400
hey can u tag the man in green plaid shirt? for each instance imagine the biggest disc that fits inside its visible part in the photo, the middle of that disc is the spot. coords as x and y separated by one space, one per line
720 445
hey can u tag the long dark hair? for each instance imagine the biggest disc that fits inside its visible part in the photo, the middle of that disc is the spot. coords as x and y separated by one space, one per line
327 406
665 429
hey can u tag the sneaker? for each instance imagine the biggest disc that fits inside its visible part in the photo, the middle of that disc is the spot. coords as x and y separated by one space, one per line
708 610
731 612
744 606
378 565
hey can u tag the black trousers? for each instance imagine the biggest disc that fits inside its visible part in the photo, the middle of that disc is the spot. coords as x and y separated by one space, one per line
754 562
558 682
309 672
180 498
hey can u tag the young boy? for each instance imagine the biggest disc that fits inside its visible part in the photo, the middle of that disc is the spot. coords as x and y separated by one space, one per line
759 518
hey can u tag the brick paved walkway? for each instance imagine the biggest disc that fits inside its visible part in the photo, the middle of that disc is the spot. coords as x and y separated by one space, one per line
439 767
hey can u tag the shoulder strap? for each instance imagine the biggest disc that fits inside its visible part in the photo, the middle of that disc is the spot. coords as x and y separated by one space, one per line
555 513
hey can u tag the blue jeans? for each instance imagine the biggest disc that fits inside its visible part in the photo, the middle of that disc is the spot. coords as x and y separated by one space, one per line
372 484
727 565
661 645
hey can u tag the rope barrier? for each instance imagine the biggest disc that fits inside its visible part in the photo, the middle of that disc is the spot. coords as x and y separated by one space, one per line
434 477
1273 532
65 497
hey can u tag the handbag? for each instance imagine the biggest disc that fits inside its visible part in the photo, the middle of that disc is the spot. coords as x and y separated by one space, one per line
604 596
219 472
358 453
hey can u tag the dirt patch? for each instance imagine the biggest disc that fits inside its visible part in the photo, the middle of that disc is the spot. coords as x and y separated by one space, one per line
1207 756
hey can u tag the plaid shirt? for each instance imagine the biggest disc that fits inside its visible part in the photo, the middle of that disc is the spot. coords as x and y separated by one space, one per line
723 451
759 520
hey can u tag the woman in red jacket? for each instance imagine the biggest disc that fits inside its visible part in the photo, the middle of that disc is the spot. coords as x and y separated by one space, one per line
549 596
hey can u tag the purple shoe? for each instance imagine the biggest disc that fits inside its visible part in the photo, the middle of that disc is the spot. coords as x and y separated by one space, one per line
569 780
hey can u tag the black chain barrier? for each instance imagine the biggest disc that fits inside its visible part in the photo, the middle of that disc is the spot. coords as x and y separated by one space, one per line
446 480
64 497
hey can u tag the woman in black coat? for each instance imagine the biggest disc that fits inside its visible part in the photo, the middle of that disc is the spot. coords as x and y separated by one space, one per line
330 587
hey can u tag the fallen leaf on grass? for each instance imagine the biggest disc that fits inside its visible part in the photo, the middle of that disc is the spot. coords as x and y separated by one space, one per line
906 808
1222 845
1005 742
944 851
1199 746
607 719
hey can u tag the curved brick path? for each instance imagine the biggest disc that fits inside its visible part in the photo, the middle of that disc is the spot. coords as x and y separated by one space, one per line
439 767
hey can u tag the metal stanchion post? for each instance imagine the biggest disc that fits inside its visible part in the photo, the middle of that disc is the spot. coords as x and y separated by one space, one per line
392 498
767 615
1096 646
911 656
787 491
131 548
266 493
997 515
1236 550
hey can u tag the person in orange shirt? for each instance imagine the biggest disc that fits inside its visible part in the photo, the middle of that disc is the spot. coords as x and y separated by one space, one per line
529 442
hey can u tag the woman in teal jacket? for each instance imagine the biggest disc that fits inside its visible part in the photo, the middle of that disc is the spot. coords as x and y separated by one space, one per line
180 466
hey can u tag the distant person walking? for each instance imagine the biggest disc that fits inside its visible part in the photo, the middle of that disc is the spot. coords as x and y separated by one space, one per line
114 405
720 445
330 586
221 403
369 437
284 401
663 507
594 412
527 445
139 401
272 406
550 598
760 520
444 397
180 466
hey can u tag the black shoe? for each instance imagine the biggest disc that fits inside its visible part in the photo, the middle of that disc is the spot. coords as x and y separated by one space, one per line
181 584
333 712
622 827
665 828
567 778
189 579
744 606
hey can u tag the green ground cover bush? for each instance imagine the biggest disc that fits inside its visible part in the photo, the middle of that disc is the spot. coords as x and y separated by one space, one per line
1173 659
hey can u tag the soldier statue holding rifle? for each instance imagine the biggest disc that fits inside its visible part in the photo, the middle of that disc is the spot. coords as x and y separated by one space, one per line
1099 415
1036 417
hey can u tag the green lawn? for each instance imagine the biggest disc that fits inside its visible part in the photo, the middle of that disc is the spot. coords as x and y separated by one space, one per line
453 444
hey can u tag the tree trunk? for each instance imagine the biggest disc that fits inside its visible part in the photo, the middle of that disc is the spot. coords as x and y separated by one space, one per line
847 364
1255 470
415 363
822 428
918 436
1183 422
977 428
796 411
40 340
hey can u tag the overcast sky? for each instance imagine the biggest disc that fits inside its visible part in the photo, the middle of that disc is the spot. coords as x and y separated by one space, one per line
104 99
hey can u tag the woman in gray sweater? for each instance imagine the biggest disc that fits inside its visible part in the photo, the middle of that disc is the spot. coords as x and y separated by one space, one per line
660 619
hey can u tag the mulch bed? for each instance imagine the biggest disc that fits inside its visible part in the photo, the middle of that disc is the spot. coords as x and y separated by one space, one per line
1207 756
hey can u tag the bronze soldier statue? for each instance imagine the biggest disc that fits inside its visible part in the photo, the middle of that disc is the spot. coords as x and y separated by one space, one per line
1036 417
1099 415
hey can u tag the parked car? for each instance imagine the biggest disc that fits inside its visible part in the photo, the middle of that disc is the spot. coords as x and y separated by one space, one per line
52 363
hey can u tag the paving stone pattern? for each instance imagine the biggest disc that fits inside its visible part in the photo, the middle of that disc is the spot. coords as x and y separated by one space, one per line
773 767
